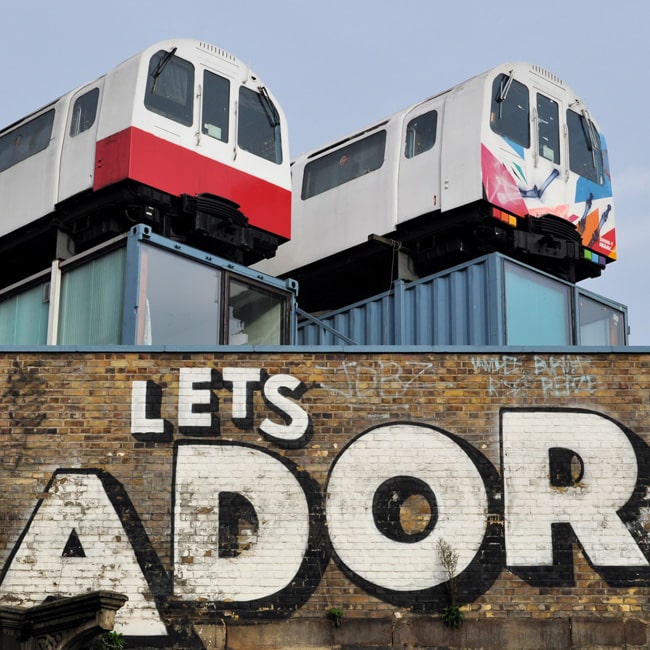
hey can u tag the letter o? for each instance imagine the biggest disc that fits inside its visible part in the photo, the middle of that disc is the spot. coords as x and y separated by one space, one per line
402 450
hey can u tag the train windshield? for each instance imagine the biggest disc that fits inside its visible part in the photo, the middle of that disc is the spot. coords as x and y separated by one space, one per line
170 87
510 111
585 151
258 129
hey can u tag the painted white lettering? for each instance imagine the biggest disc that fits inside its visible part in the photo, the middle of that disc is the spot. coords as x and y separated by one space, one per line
189 396
242 379
140 423
298 419
404 450
605 478
203 472
75 543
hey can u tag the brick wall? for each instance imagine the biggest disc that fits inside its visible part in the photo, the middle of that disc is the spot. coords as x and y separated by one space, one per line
236 497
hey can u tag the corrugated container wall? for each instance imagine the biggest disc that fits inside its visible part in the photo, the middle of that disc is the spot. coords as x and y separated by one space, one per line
474 304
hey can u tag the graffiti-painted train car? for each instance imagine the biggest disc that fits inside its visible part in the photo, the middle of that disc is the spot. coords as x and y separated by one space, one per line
510 160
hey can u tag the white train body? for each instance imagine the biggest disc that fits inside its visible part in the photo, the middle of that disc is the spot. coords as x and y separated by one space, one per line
182 118
488 157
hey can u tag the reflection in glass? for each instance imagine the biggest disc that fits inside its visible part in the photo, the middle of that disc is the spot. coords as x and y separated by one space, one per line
537 308
254 315
179 300
600 324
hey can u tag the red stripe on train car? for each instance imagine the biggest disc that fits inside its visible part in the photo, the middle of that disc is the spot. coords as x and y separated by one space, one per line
140 156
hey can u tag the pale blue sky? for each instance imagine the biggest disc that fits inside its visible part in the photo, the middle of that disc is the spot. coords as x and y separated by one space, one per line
338 65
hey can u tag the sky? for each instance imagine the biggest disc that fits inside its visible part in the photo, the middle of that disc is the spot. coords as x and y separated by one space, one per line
340 65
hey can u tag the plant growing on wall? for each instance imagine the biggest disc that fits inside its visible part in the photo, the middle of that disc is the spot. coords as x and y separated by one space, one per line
335 614
109 641
452 617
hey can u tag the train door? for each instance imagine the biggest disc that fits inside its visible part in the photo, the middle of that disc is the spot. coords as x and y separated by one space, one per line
79 141
549 183
215 132
419 164
522 160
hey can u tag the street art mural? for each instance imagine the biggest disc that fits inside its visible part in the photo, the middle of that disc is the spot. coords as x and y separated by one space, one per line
275 479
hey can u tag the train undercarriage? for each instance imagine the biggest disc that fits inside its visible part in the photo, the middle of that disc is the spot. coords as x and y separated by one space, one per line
434 242
209 223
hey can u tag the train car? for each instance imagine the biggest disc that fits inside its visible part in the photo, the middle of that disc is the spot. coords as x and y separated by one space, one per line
183 137
510 160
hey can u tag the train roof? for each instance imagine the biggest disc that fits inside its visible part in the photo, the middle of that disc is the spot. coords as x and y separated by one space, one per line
184 44
508 67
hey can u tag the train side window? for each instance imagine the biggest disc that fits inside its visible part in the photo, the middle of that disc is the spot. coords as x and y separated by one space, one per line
258 129
548 128
216 106
84 112
343 165
421 134
170 87
26 140
510 112
585 153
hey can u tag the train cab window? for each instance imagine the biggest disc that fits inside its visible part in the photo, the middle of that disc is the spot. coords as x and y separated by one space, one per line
170 87
26 140
421 134
84 112
216 106
548 129
585 153
510 112
258 129
343 165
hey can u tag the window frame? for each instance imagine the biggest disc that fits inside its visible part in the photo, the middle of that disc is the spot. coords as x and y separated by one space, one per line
250 115
548 133
504 125
580 134
78 125
283 300
430 130
340 158
166 106
36 132
206 111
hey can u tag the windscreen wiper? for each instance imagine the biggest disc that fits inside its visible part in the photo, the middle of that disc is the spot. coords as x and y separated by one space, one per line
157 71
270 110
504 88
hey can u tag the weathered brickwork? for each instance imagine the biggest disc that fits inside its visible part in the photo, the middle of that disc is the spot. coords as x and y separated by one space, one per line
236 497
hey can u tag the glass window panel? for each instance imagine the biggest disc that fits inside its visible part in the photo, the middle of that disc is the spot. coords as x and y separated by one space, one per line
170 87
510 113
585 154
216 106
258 129
180 300
548 129
92 296
600 324
421 134
23 317
26 140
343 165
84 112
255 316
537 308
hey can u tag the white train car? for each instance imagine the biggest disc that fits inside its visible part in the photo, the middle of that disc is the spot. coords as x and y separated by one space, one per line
183 137
509 160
